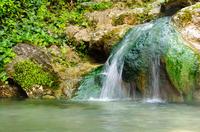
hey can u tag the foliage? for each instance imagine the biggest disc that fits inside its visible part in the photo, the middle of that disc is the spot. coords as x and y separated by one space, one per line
28 74
101 5
39 22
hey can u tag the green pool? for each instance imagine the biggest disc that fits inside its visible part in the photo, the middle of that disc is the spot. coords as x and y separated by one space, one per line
119 116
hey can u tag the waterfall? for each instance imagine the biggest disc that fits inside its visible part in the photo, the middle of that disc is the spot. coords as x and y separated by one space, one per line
149 62
145 41
113 85
155 77
155 67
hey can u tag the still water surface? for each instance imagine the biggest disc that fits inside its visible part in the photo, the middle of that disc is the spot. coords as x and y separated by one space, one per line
124 116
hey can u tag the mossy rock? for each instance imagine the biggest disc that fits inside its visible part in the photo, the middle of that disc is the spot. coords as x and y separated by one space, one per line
27 74
90 85
182 65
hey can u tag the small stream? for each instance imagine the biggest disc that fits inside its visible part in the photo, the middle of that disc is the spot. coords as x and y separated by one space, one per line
120 116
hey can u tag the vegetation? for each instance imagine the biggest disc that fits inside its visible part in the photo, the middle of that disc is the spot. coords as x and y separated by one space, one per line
28 74
182 65
39 22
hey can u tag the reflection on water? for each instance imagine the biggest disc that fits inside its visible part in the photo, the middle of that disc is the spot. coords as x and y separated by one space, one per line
126 116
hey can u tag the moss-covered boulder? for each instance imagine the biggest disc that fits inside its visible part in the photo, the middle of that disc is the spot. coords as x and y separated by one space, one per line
34 80
32 71
182 63
178 52
52 72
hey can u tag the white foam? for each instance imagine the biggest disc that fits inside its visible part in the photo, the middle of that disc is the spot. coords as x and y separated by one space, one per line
108 99
154 100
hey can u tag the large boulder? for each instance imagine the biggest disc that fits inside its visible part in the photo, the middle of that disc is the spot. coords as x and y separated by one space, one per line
183 65
52 72
31 68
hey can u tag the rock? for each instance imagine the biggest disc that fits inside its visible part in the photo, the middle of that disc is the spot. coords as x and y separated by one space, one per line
188 22
11 90
179 68
109 26
90 85
25 51
60 62
7 91
177 64
70 68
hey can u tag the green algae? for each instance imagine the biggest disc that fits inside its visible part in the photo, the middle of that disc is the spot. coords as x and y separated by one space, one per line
182 65
90 85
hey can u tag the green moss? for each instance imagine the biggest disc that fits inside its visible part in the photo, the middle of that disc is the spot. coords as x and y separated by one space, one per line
28 74
90 85
182 66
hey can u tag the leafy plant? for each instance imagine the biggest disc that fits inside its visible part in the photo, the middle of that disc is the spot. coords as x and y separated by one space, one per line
39 22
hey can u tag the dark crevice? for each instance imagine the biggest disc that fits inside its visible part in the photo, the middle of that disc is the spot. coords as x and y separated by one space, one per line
21 92
171 8
99 54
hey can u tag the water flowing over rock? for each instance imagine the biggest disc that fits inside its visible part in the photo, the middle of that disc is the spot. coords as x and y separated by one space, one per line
153 61
140 51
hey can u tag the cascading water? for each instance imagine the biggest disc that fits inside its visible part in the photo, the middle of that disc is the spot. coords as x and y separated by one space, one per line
147 63
155 77
113 85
